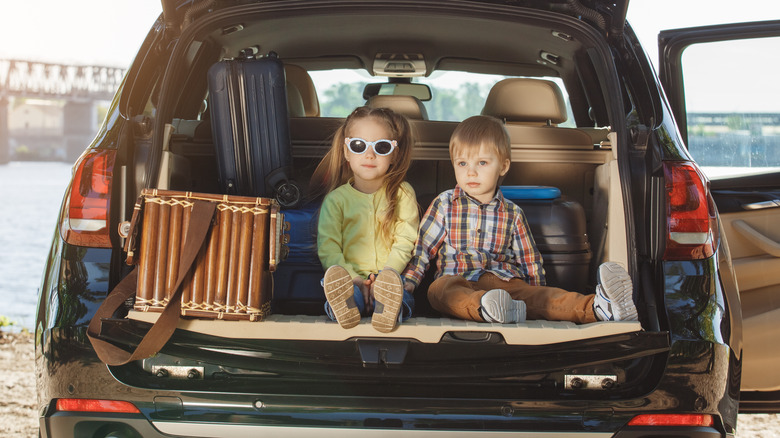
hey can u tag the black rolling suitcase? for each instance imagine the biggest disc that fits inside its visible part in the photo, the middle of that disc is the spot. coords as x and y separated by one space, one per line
248 106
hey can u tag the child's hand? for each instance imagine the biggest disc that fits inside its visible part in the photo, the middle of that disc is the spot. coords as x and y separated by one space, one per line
409 287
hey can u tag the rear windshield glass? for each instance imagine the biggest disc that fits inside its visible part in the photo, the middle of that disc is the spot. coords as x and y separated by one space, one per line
454 95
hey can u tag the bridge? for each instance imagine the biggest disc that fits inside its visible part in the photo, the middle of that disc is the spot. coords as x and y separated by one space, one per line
81 88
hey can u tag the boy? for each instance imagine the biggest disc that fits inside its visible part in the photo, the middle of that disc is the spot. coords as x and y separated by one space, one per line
488 267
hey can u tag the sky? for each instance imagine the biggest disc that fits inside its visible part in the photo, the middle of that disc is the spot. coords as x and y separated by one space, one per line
80 32
109 32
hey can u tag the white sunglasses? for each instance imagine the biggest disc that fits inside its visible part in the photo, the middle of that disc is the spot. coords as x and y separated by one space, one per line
381 147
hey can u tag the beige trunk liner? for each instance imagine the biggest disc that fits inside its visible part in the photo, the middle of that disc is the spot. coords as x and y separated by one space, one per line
429 330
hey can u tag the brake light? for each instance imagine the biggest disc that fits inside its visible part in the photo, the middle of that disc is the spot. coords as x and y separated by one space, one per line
92 405
691 224
697 420
86 213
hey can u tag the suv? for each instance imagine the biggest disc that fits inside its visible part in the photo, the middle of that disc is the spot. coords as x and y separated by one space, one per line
603 135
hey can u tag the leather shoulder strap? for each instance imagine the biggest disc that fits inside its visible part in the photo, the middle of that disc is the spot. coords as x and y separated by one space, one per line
161 331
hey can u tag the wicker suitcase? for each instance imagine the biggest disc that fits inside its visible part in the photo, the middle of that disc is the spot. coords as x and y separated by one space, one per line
230 277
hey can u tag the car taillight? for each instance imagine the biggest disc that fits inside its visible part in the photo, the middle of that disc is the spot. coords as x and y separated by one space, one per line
697 420
93 405
85 222
690 213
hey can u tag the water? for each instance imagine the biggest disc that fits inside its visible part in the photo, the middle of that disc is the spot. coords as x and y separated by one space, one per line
30 198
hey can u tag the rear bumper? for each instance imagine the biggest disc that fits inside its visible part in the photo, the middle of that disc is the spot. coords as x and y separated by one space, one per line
68 425
691 373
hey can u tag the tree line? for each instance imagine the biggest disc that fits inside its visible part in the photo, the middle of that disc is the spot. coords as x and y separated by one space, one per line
450 104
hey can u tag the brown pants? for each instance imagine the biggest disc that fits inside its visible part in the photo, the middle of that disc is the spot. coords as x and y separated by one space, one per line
455 296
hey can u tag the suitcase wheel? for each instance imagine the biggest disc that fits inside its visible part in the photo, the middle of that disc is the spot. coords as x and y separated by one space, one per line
288 194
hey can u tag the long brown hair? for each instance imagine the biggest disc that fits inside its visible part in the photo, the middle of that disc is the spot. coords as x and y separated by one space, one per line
334 171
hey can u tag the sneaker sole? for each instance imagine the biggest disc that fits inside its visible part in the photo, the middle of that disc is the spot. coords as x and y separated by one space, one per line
507 310
338 290
389 291
617 287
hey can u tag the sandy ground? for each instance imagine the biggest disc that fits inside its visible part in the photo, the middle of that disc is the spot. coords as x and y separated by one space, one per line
18 417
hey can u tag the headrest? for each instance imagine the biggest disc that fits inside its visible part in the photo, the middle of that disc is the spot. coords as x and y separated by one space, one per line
294 102
409 106
300 79
526 100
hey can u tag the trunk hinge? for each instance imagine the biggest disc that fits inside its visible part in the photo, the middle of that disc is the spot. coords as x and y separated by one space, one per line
617 12
170 14
173 18
577 9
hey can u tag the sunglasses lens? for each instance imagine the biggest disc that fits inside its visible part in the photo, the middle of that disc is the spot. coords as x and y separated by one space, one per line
383 147
357 146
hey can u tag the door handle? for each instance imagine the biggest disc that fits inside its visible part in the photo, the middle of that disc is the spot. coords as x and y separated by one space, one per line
757 238
761 205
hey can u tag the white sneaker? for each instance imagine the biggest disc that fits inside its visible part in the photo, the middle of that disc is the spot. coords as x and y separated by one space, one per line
614 294
498 306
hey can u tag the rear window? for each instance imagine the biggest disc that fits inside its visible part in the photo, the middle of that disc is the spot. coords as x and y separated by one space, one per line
454 95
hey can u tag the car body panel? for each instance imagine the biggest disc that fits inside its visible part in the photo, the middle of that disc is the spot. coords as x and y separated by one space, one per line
749 209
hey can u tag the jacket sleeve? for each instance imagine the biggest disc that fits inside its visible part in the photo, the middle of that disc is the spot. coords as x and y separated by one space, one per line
405 230
524 252
329 236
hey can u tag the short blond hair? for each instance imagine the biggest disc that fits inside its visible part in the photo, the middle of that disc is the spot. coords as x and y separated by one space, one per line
478 130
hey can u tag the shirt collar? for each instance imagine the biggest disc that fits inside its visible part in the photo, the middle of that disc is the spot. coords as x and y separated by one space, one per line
498 198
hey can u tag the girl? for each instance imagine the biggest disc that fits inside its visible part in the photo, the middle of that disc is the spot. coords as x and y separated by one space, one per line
368 219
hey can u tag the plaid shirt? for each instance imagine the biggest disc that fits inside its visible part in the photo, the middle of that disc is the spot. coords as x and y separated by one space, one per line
470 238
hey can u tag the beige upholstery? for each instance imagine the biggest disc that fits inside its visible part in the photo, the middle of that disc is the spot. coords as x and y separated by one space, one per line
531 101
294 102
754 244
427 330
299 78
409 106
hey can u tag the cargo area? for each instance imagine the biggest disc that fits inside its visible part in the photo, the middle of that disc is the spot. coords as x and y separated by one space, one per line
561 179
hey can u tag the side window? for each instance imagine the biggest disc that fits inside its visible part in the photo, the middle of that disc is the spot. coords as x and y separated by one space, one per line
732 98
339 91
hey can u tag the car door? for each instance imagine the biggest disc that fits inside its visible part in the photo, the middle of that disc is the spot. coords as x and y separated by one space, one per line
722 84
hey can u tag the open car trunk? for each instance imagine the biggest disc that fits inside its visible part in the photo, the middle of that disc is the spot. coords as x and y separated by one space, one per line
297 349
